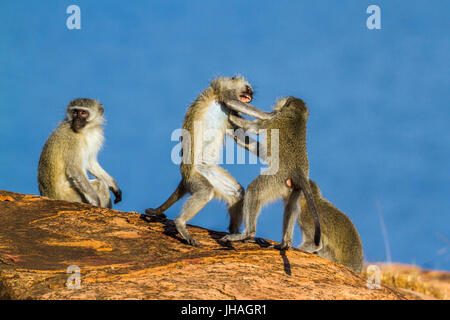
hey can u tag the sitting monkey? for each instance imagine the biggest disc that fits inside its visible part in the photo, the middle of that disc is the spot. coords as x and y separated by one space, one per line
71 152
340 239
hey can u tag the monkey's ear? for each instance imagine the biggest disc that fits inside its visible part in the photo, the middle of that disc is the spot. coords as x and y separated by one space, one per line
213 84
101 109
289 182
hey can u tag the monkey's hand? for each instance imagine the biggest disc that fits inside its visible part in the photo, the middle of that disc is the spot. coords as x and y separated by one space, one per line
117 194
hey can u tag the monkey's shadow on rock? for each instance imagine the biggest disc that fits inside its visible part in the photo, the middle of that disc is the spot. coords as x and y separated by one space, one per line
171 230
286 263
169 226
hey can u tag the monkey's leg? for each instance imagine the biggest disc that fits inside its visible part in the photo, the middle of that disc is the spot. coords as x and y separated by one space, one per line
201 195
227 188
291 212
81 184
308 244
259 192
251 209
103 192
235 211
97 171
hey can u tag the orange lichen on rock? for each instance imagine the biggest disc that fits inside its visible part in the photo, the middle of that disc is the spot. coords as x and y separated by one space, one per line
6 198
123 256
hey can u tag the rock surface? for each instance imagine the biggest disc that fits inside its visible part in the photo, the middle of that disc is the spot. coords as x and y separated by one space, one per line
122 256
415 282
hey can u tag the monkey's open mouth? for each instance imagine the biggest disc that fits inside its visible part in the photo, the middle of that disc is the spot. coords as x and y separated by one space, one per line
245 98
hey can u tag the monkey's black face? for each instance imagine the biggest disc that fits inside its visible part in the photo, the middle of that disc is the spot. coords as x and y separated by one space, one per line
79 119
246 95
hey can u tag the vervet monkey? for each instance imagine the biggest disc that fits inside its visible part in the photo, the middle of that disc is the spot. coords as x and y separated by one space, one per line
70 152
289 118
205 125
340 239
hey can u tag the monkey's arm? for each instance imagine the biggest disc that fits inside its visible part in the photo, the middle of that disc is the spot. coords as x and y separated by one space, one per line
251 126
252 145
80 182
97 171
240 138
248 109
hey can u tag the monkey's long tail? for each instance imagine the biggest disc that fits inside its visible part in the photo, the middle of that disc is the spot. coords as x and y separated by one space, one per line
179 192
304 185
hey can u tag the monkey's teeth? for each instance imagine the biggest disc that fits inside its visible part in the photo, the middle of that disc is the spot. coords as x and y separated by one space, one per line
245 98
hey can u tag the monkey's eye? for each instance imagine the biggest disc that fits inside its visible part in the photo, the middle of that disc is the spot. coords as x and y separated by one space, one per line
83 113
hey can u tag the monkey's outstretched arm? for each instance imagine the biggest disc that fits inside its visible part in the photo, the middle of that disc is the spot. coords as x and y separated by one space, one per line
82 185
241 140
252 145
251 126
248 109
97 171
256 147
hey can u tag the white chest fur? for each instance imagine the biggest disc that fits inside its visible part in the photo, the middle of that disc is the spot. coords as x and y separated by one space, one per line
215 117
214 126
92 143
213 131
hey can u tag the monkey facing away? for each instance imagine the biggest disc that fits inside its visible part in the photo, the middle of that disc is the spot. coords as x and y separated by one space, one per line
340 239
70 152
289 118
204 126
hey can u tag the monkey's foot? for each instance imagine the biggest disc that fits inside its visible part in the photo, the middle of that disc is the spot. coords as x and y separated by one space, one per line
182 230
282 246
192 242
153 213
236 237
259 241
310 247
